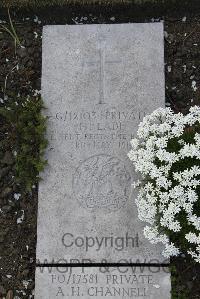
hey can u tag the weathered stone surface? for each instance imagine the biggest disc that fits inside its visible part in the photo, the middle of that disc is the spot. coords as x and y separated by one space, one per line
98 82
105 282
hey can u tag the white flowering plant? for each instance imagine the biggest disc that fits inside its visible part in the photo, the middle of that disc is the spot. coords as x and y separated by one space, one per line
166 153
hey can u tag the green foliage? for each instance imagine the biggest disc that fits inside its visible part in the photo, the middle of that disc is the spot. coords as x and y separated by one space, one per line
26 136
179 290
11 31
41 3
178 238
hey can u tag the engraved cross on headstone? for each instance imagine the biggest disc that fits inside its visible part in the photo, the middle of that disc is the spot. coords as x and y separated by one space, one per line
101 64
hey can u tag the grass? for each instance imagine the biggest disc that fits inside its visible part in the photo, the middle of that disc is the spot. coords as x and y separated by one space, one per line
42 3
11 31
179 290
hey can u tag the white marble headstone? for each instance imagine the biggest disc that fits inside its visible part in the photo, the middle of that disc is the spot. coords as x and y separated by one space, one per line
98 81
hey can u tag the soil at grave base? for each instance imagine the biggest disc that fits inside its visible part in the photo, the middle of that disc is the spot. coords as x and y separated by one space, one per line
23 73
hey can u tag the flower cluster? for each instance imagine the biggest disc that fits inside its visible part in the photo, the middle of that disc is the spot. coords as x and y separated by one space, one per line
166 153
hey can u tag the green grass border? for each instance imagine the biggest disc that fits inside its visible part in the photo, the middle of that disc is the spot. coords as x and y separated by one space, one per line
43 3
